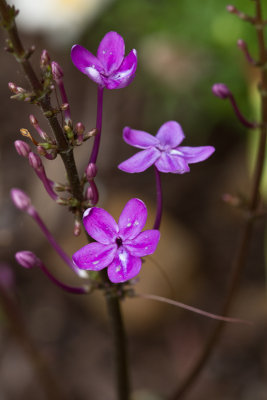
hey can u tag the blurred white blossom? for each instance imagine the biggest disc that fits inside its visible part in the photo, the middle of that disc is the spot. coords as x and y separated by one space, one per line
61 20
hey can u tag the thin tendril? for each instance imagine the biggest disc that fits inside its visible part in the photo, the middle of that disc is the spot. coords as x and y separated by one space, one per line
192 309
163 273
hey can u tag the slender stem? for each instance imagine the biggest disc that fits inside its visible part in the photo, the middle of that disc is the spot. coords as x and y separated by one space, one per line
119 341
241 255
159 199
17 327
95 149
67 288
191 308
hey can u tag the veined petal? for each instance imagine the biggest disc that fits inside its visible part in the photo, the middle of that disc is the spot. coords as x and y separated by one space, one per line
139 139
95 256
196 154
83 59
132 219
124 267
100 225
144 244
111 52
172 163
170 134
125 74
140 161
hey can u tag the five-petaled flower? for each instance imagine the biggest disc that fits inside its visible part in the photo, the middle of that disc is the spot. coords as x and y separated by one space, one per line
163 150
118 246
110 68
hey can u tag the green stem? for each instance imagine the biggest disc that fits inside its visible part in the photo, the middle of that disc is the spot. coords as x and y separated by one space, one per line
242 252
119 342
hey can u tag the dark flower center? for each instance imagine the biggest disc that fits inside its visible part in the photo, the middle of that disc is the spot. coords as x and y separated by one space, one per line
119 242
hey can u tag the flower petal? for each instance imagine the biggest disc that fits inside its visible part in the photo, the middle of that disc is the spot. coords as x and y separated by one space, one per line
139 139
172 163
125 74
170 134
100 225
87 63
132 219
196 154
140 161
124 267
111 52
144 244
94 256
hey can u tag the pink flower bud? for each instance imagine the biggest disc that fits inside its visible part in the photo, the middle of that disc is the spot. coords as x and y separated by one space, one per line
12 87
45 59
221 90
241 44
79 128
230 8
33 120
57 71
27 259
23 149
20 199
91 171
35 161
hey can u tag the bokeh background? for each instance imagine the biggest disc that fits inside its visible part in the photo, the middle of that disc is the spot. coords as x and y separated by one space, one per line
183 48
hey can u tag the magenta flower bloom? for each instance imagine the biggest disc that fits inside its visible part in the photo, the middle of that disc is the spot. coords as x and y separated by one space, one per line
109 68
163 150
118 246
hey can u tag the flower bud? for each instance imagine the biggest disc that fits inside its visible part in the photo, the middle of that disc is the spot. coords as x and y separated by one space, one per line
57 71
12 87
45 59
27 259
23 149
33 120
79 128
221 90
91 171
231 9
35 161
241 44
20 199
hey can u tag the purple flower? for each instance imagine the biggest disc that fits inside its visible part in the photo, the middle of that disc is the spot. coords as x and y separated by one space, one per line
163 150
110 68
118 246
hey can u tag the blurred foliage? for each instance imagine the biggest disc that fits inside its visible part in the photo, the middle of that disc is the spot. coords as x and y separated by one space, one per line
196 27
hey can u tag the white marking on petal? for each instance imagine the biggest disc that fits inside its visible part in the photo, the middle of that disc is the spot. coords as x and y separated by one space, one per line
95 262
117 269
176 152
136 223
87 212
128 225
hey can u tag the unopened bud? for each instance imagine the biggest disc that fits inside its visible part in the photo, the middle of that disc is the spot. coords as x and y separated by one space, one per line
27 259
20 199
241 44
35 161
45 59
79 128
33 120
23 149
231 9
57 71
12 87
64 106
221 90
77 228
91 171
